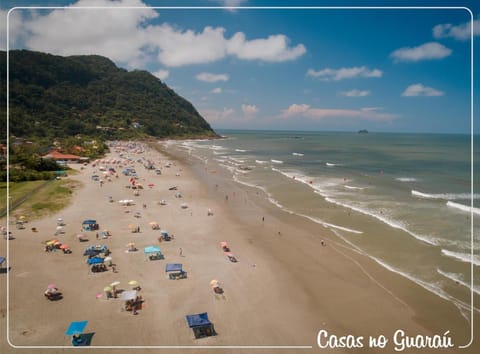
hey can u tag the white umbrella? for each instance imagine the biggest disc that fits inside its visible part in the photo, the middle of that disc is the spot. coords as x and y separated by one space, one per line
115 283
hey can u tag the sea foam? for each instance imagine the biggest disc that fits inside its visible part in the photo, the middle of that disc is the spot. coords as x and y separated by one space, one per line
406 179
446 196
457 278
462 207
463 257
427 239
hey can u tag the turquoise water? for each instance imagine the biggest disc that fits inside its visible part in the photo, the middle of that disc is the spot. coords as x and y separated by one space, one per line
402 199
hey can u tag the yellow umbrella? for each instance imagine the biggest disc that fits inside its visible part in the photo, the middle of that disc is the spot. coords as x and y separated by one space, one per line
132 282
107 288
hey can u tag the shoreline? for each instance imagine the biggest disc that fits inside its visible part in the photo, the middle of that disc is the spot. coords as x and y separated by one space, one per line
315 287
406 291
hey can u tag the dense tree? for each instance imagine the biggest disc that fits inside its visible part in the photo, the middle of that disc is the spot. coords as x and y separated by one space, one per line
56 97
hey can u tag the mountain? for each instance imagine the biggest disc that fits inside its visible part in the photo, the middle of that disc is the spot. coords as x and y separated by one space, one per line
56 97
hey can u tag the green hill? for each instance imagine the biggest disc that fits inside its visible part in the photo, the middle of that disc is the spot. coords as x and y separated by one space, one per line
57 97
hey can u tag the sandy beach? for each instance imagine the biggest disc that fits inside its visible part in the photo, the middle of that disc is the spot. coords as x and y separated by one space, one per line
282 291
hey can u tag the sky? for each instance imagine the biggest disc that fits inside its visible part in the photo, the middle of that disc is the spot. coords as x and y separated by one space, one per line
320 69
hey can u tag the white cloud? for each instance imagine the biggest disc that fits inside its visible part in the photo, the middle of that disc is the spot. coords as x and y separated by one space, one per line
209 77
179 48
368 113
460 32
15 23
355 93
127 37
421 90
344 73
430 50
295 110
249 109
230 3
272 49
161 74
217 90
116 33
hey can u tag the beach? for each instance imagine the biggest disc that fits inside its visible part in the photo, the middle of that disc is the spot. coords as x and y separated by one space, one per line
293 277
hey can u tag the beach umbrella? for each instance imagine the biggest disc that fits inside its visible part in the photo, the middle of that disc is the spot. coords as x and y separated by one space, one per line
64 247
51 286
80 236
76 328
132 282
51 242
131 244
115 283
214 283
107 259
152 223
151 185
107 288
128 295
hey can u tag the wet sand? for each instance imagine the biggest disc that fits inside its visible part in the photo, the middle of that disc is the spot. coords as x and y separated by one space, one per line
284 289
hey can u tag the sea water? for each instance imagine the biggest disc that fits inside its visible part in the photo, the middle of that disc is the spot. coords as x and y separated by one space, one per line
405 200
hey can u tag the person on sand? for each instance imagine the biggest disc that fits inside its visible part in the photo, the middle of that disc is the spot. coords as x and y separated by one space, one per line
181 252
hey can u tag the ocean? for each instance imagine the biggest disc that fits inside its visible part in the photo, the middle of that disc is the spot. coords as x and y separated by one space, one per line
402 199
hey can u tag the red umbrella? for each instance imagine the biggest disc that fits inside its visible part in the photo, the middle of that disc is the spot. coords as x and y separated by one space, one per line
151 185
64 247
51 286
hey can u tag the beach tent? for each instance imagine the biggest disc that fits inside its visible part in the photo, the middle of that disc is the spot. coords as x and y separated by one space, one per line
76 328
165 235
89 225
95 260
175 271
201 325
91 252
128 295
153 253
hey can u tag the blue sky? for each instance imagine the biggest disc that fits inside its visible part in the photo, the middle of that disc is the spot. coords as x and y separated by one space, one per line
297 69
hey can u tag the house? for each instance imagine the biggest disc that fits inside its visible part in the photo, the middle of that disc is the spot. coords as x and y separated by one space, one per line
58 156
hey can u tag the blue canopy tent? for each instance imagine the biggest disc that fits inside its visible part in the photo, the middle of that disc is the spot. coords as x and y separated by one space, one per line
89 225
164 234
96 265
201 325
173 267
95 260
175 271
153 253
91 252
76 329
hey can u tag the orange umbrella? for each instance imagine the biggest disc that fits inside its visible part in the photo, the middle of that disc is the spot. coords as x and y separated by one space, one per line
64 247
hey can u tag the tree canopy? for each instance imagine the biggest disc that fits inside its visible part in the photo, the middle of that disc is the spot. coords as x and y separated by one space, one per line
57 97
